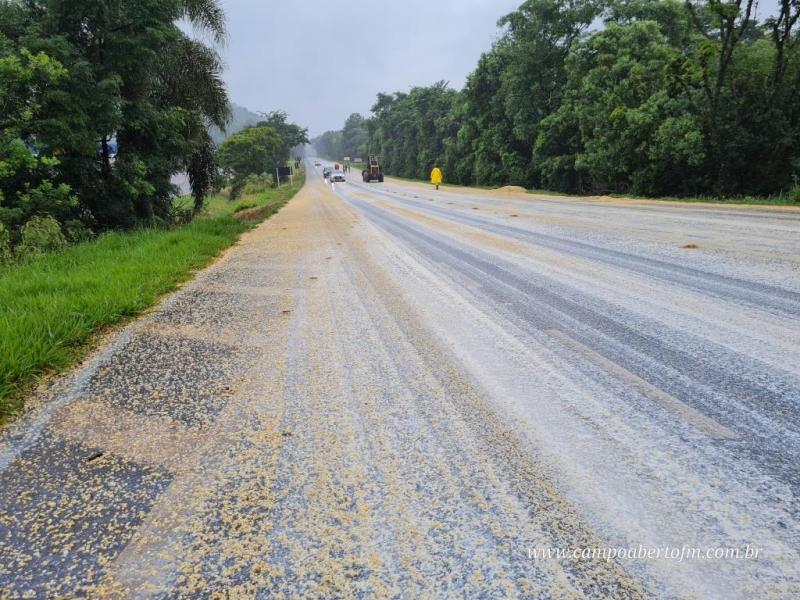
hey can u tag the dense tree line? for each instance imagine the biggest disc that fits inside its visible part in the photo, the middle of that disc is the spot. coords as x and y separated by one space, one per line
329 145
350 141
665 98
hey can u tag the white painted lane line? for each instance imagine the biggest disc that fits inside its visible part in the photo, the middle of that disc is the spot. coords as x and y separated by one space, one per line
692 416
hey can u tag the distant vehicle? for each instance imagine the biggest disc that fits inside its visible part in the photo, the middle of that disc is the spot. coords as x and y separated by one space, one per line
337 175
317 163
373 172
326 172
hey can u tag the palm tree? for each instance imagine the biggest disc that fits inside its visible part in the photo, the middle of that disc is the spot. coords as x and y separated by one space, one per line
192 75
206 15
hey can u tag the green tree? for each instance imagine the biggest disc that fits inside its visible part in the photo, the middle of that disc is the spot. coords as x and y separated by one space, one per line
486 132
329 145
516 85
192 76
354 136
253 151
635 130
408 131
292 135
750 84
27 173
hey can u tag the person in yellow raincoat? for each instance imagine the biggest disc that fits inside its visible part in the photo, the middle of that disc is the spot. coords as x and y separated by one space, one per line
436 177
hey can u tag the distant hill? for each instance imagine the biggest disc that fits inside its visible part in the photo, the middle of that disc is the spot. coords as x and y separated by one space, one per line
240 118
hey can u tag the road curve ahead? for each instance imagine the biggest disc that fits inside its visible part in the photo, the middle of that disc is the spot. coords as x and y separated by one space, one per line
387 391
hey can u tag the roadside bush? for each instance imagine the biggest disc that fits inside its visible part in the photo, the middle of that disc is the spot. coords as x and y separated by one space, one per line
76 231
39 235
181 213
257 184
235 189
794 194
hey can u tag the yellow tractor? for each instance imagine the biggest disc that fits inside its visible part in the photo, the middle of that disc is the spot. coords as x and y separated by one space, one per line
373 172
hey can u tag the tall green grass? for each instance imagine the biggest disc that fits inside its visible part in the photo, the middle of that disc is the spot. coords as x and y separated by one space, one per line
51 305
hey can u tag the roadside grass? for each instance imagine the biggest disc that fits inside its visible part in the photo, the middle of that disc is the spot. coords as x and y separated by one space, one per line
53 306
777 200
244 206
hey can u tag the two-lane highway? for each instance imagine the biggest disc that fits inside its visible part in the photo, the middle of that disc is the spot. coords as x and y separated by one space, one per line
646 345
395 392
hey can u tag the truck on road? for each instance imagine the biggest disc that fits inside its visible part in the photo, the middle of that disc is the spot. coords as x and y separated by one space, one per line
373 171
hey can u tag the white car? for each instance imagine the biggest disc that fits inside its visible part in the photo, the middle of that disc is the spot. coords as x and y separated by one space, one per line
336 176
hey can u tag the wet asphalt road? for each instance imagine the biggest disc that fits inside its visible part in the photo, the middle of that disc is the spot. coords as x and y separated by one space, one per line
389 391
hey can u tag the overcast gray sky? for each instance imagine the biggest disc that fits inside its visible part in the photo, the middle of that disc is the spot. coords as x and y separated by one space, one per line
321 63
